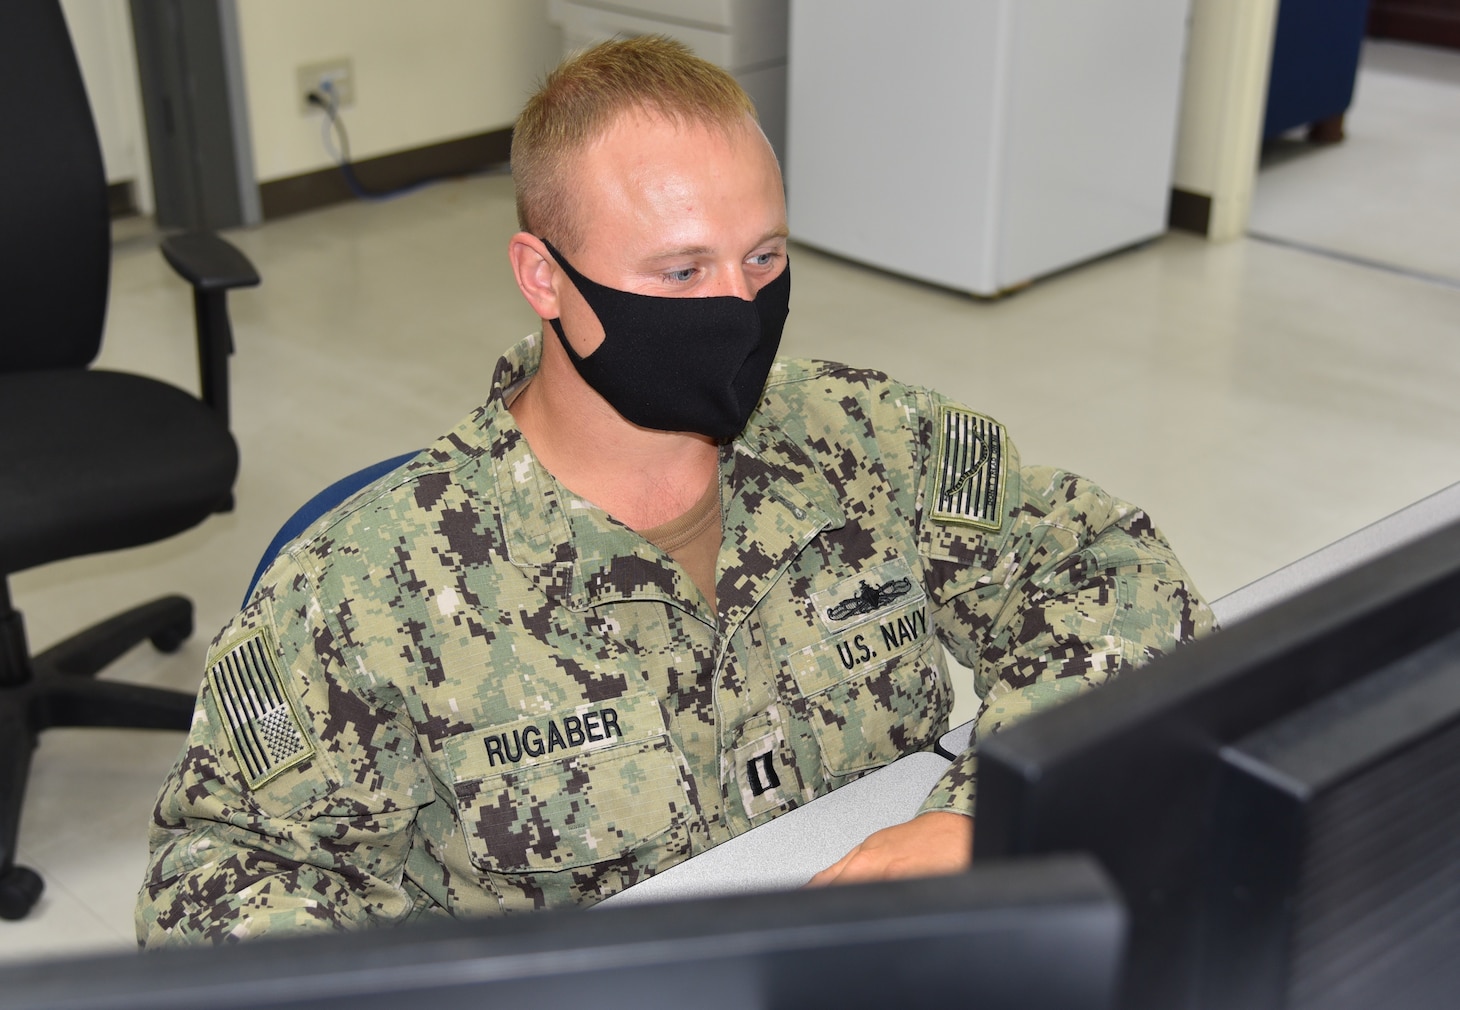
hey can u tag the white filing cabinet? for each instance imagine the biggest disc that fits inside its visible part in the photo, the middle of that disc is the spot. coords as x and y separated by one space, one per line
978 144
746 37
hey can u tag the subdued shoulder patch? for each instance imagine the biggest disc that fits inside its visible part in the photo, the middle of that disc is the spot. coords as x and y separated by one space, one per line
260 712
969 470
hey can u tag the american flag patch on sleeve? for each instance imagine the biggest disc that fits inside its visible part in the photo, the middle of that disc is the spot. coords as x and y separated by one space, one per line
259 711
969 474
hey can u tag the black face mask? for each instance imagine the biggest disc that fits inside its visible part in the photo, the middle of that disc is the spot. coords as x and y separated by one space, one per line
681 364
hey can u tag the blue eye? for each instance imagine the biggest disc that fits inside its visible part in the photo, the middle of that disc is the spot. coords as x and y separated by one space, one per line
680 276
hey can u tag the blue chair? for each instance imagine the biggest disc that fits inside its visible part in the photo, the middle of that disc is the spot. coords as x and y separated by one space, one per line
1315 60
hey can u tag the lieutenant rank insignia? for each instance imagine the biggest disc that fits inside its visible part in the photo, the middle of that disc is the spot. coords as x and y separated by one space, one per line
969 486
259 712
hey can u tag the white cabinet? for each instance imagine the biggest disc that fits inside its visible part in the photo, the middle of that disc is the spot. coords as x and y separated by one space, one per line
978 144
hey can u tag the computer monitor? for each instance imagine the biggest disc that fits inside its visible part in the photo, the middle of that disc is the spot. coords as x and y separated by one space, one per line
1279 804
1029 935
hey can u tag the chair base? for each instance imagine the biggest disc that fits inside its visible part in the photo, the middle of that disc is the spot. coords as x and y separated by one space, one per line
56 688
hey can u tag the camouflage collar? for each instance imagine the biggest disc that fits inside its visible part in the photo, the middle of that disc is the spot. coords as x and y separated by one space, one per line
582 557
788 474
518 364
529 500
776 500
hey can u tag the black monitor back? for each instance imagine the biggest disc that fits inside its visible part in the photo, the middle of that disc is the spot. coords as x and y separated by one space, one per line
1029 935
1279 804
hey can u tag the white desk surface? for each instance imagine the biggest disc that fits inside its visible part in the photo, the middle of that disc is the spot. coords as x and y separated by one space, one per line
784 853
1410 523
787 851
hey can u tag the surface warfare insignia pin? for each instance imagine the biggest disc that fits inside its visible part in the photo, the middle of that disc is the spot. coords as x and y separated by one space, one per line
259 711
969 486
869 599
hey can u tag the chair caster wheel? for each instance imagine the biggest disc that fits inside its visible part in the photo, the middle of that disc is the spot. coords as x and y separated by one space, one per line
171 639
20 889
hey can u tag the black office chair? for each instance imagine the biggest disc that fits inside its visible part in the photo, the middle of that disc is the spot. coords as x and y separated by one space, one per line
90 460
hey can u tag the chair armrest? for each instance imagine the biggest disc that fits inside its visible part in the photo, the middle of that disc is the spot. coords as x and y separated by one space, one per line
212 266
207 262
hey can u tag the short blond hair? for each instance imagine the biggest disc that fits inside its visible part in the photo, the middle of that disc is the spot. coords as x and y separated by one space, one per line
585 95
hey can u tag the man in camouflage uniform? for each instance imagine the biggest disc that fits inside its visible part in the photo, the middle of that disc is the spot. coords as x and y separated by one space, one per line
640 601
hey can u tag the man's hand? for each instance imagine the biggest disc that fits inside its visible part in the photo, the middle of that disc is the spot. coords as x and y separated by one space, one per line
929 845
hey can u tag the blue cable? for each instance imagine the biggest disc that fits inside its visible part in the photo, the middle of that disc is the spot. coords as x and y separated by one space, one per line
329 102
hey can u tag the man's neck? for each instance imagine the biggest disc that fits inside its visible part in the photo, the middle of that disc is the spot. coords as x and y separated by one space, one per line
640 477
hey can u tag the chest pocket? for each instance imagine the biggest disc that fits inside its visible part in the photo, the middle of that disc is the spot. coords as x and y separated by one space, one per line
593 785
873 686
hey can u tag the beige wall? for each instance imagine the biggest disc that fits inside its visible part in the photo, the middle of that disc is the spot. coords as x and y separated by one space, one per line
424 71
101 33
433 70
1223 100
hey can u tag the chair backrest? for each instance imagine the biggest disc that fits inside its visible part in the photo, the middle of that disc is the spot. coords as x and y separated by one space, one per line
305 516
55 230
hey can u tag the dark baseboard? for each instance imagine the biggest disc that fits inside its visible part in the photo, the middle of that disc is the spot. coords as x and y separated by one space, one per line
281 197
1430 22
121 200
1190 211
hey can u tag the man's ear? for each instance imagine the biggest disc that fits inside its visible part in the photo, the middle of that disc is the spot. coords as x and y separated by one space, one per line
532 265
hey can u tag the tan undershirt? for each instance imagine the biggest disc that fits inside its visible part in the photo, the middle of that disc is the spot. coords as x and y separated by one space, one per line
693 540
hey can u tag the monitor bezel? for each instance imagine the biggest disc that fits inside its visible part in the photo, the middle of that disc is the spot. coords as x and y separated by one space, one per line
912 942
1130 772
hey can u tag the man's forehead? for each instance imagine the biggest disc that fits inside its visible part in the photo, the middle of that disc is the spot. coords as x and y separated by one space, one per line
651 185
642 126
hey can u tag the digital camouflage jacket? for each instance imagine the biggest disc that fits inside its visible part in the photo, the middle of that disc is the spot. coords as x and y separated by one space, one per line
466 691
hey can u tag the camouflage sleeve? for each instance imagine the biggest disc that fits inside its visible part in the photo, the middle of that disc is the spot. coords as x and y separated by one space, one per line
1073 587
290 805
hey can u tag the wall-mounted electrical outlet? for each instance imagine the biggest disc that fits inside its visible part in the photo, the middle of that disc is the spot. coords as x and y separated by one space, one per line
338 75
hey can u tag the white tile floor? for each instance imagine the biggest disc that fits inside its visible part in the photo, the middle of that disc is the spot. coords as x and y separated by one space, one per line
1259 400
